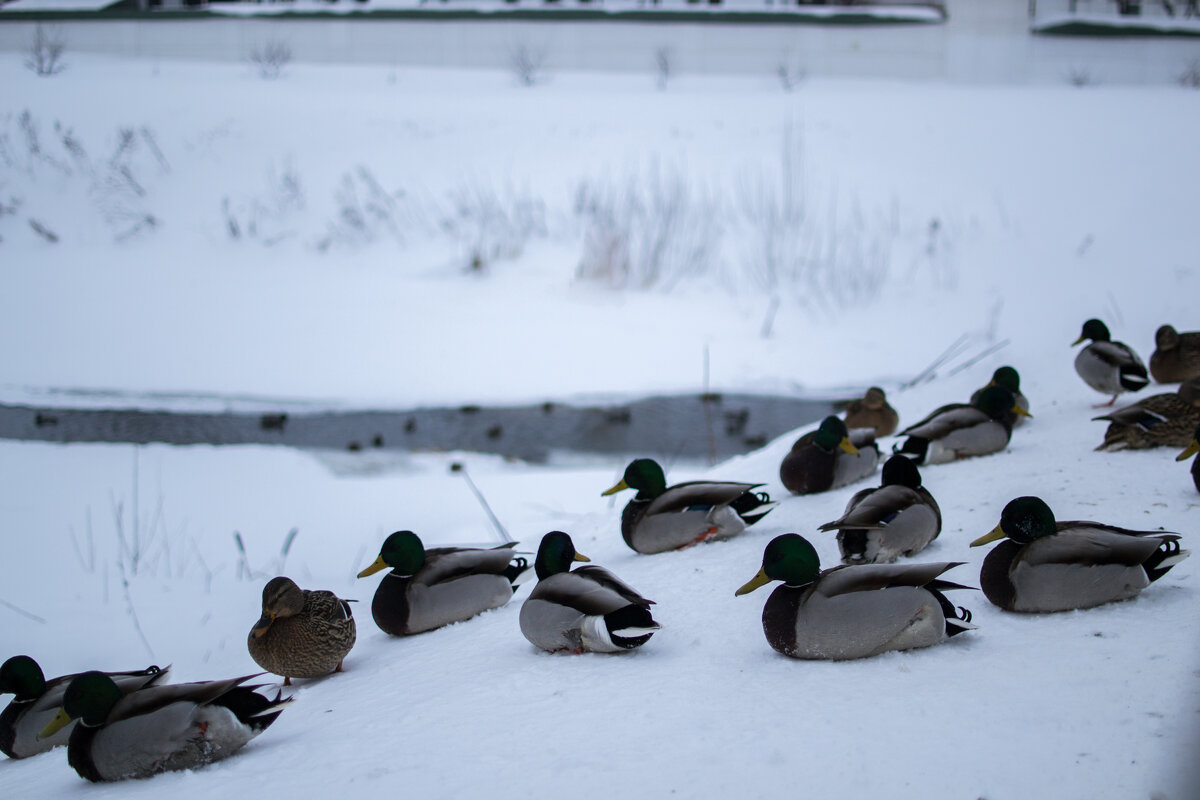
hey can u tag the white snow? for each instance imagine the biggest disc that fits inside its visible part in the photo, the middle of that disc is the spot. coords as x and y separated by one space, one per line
1052 204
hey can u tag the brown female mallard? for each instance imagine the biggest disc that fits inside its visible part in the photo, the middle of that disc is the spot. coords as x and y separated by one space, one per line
872 410
1162 420
1176 355
301 633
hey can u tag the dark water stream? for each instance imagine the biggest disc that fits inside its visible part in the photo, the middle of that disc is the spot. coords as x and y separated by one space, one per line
708 426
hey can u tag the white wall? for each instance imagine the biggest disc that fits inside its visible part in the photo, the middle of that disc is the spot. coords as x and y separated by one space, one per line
984 41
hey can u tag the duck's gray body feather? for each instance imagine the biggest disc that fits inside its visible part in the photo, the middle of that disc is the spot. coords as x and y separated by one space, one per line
437 604
28 719
163 728
892 521
1111 367
566 611
685 514
959 431
1084 565
859 611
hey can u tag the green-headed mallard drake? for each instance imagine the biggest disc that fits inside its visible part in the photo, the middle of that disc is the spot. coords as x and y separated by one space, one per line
872 410
1010 379
1176 355
1045 565
302 633
961 430
159 728
429 589
583 610
38 700
898 518
661 517
828 458
852 612
1161 420
1108 367
1192 449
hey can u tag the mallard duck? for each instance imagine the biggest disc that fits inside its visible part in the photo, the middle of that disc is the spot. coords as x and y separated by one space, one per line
428 589
898 518
1057 566
301 633
1176 355
872 411
159 728
661 517
1010 379
1192 449
828 458
961 430
583 610
852 612
36 701
1108 367
1161 420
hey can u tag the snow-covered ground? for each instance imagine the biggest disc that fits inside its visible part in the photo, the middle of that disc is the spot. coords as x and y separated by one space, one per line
918 215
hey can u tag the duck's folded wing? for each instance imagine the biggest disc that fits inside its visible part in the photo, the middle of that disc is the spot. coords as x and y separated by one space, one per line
581 591
872 509
869 577
445 563
1091 543
152 698
126 681
602 577
1118 354
933 414
946 420
697 494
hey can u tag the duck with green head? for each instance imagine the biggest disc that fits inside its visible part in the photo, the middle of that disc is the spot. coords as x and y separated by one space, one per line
159 728
1108 367
828 458
1010 379
587 609
1176 355
855 611
1192 449
962 430
302 633
1161 420
661 517
430 588
37 701
1045 565
898 518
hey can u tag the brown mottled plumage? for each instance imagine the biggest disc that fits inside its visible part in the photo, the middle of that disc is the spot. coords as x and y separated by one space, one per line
873 411
1163 420
302 633
1176 355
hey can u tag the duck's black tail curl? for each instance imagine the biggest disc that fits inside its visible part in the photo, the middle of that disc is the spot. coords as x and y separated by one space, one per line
1166 556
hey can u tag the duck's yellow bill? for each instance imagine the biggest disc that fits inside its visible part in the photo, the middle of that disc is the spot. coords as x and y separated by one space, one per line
1077 341
581 557
758 580
60 721
1018 410
996 533
848 446
1191 450
377 565
621 486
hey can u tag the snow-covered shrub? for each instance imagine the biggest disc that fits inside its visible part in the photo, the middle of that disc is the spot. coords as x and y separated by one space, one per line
267 218
365 212
271 57
653 230
492 224
1190 77
44 56
527 64
54 183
